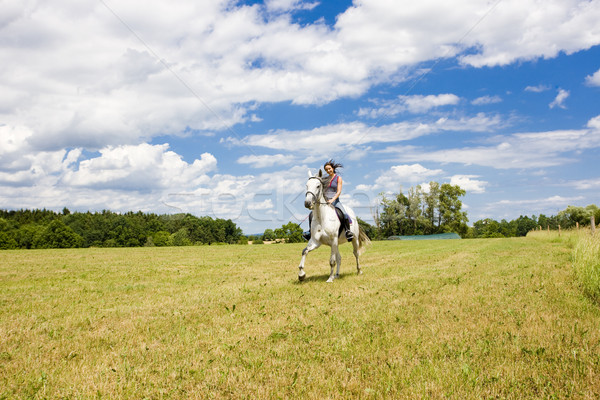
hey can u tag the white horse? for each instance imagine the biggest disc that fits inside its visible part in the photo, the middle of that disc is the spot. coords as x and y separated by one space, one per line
325 227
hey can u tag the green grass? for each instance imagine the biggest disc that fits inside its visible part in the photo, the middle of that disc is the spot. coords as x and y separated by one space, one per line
586 263
493 318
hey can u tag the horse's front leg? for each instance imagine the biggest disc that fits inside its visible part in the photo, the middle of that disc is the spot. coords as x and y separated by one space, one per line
310 247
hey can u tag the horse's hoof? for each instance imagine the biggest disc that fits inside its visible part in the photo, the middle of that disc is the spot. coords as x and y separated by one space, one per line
301 276
329 280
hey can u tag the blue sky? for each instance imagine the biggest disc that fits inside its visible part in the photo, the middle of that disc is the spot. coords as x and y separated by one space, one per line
221 108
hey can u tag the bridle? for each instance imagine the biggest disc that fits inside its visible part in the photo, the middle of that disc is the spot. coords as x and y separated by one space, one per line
319 192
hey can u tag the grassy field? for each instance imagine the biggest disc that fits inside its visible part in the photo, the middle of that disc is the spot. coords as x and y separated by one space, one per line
461 319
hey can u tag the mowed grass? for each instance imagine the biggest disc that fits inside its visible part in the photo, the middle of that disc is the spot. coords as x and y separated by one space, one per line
463 319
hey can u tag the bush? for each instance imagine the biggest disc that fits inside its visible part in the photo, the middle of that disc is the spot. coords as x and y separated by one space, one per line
586 262
181 238
7 242
57 236
162 238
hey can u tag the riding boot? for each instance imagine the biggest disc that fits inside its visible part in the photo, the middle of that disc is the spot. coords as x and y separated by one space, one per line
349 234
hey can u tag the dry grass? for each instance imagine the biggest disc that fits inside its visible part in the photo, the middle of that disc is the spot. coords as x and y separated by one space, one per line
493 318
586 263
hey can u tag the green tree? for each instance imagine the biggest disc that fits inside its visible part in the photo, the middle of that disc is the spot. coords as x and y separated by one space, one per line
452 218
162 238
393 217
269 234
180 238
414 211
7 240
371 231
525 225
431 211
57 235
291 232
437 211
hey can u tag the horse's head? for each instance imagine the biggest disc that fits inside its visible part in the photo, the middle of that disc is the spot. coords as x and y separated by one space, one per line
314 189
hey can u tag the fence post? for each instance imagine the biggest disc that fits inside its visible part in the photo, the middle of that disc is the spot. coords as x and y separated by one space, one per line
593 223
558 230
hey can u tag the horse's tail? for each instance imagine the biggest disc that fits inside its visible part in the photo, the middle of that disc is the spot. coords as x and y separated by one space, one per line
363 240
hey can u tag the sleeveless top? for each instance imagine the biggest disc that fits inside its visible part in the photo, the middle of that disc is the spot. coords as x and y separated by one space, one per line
331 189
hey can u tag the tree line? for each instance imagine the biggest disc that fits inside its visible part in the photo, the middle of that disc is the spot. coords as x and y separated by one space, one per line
439 210
39 229
569 218
419 212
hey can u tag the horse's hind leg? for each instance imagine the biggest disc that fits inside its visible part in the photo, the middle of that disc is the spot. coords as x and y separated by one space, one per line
335 259
355 251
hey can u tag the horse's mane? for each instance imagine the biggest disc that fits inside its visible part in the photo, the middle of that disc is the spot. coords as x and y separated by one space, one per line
325 179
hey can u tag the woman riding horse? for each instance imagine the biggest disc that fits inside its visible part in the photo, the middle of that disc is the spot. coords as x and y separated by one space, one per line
332 196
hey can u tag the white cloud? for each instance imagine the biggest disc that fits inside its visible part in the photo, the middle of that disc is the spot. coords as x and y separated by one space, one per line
480 101
263 161
468 183
144 168
415 104
398 176
200 64
511 209
560 99
594 123
585 184
552 201
537 89
347 136
519 150
521 30
289 5
594 79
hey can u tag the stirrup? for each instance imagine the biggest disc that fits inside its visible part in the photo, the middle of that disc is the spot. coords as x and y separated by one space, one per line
306 235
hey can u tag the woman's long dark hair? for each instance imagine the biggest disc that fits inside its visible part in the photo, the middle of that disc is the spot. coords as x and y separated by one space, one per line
333 164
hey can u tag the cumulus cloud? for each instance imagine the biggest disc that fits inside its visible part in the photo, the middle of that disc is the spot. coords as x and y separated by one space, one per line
135 71
560 98
399 176
86 85
594 123
144 168
594 79
516 30
469 183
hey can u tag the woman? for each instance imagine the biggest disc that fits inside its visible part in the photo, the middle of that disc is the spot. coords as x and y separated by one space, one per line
332 196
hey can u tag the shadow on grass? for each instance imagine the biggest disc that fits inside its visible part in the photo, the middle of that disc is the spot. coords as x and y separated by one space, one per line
322 278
